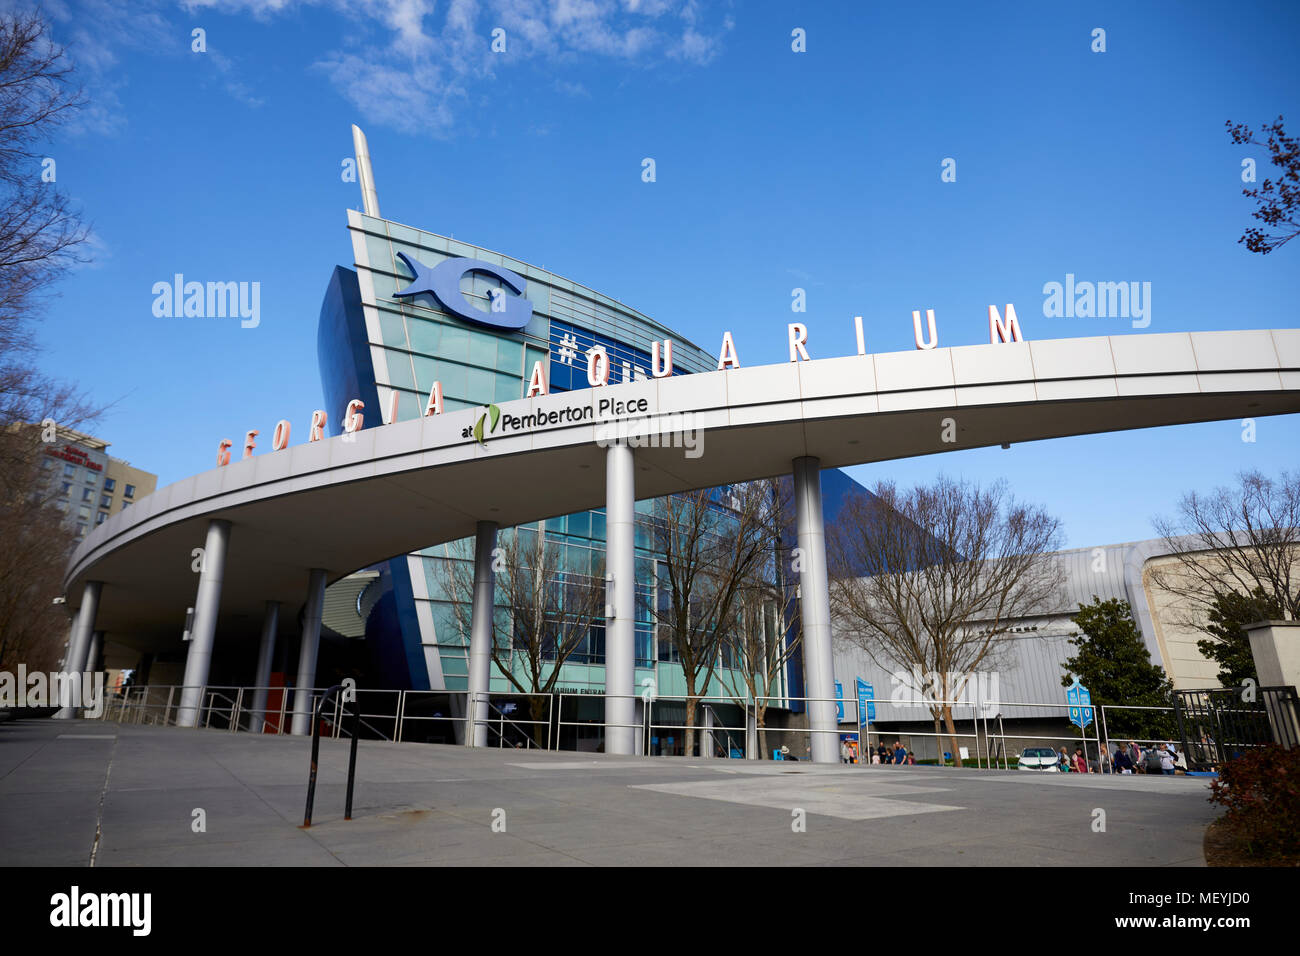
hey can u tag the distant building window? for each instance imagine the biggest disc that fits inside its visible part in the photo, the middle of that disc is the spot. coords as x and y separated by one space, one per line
62 506
81 529
129 491
105 501
87 494
67 487
47 464
125 505
110 484
99 519
70 471
83 512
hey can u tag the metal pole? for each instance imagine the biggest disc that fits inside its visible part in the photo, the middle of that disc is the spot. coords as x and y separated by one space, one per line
1003 737
311 779
814 604
352 755
481 632
620 599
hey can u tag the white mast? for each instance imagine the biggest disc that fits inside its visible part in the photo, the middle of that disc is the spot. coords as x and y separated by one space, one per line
369 198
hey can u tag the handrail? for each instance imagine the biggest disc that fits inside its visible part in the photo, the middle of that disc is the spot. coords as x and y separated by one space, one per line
315 753
502 720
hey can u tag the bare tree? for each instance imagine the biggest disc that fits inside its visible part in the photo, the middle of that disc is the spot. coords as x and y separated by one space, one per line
767 629
39 239
545 610
708 544
931 579
40 236
1243 541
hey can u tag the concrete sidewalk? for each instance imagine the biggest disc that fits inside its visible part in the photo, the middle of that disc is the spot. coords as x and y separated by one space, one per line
73 791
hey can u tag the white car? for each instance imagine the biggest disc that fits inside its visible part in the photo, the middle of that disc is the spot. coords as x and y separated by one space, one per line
1041 759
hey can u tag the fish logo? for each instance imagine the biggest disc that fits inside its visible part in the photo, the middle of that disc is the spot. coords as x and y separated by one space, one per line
443 283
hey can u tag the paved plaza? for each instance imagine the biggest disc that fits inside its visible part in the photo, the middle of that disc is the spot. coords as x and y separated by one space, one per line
77 793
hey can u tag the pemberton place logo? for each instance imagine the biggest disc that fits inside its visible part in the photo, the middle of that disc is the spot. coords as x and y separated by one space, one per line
626 422
55 689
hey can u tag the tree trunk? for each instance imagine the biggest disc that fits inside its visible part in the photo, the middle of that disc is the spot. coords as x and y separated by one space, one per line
952 734
689 749
539 711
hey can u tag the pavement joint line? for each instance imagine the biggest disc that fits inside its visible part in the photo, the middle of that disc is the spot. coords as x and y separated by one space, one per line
307 832
99 815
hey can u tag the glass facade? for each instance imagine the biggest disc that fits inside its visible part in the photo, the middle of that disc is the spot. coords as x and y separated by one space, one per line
371 345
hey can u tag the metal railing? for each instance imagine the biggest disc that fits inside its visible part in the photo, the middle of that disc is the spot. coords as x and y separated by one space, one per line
573 721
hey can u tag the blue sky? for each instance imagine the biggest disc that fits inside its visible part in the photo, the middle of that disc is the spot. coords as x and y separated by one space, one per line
775 170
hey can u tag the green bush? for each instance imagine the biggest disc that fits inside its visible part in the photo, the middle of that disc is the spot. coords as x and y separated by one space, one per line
1261 790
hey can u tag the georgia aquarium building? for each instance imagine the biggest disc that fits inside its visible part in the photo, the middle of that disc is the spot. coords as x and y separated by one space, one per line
418 309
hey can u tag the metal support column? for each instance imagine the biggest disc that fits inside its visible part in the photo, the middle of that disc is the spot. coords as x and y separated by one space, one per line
79 647
206 604
94 655
815 610
620 600
265 653
481 632
302 702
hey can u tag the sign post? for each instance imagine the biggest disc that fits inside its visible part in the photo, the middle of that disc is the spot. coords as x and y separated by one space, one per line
1079 699
866 714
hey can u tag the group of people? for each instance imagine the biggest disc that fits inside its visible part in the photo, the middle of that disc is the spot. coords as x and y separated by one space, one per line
1127 758
897 755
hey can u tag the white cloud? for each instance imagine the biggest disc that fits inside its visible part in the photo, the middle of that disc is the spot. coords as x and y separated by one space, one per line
430 57
408 64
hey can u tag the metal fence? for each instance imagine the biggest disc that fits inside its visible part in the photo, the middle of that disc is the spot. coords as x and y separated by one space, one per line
1213 725
1219 724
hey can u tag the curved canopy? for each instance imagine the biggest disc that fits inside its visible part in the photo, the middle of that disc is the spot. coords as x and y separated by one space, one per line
347 502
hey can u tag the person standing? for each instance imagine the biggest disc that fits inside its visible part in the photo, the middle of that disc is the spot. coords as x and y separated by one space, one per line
1168 760
1122 762
1136 755
845 752
900 753
1080 764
